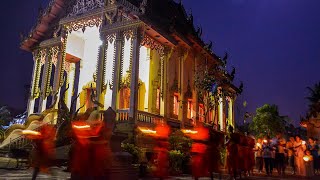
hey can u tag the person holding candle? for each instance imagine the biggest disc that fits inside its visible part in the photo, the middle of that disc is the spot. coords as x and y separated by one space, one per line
299 147
308 161
267 155
290 151
258 153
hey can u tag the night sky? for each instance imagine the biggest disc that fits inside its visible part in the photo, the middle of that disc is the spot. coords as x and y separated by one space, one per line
274 45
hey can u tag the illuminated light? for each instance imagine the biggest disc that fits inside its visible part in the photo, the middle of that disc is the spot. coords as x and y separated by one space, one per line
303 142
306 158
189 131
81 127
265 141
30 132
147 131
258 144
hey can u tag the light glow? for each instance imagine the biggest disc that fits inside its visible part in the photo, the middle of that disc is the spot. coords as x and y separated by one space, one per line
306 158
265 141
303 142
31 132
147 131
189 131
81 127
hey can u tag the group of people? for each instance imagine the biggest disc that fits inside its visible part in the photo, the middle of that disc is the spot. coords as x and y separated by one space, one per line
278 153
90 154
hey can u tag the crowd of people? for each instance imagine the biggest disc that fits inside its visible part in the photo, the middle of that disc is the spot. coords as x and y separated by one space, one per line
278 153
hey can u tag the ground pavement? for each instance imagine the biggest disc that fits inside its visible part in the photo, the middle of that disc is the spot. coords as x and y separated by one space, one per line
12 174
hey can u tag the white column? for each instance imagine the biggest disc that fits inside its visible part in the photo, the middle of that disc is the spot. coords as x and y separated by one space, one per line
100 70
36 65
116 70
57 77
43 98
134 74
221 120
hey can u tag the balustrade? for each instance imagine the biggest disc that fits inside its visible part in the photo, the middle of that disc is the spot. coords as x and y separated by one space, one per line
149 117
123 115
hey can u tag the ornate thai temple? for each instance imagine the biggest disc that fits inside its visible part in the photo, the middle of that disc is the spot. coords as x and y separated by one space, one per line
142 58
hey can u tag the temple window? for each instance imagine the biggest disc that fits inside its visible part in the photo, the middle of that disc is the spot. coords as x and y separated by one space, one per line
201 113
190 109
176 104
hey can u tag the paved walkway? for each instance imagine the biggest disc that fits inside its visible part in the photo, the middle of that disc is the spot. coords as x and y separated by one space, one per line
6 174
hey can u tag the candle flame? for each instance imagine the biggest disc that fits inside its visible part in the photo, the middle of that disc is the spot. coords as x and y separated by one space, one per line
189 131
258 144
81 127
147 131
303 142
306 158
30 132
265 141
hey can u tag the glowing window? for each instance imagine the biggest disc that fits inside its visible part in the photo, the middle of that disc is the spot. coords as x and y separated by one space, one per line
176 104
190 109
201 113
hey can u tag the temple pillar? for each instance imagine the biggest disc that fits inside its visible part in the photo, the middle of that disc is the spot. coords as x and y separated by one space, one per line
182 101
134 81
116 70
221 114
101 70
35 74
57 77
44 81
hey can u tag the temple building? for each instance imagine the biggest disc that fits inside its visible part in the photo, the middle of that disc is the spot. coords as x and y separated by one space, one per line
142 58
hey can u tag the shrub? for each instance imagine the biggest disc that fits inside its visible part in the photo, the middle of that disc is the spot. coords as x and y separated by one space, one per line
133 150
176 159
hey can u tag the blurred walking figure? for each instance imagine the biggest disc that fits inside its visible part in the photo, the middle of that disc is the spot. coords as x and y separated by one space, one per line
267 155
291 154
280 154
90 153
200 136
232 153
313 148
43 153
258 153
161 150
214 162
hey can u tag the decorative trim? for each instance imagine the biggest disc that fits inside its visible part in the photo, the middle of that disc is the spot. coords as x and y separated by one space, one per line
83 6
54 55
188 93
83 23
51 42
152 44
42 54
36 80
63 59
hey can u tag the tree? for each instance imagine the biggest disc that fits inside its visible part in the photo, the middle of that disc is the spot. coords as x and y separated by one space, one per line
314 100
5 116
267 121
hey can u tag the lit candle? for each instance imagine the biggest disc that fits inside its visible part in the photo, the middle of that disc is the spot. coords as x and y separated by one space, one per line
303 142
265 141
81 127
306 158
147 131
30 132
189 131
